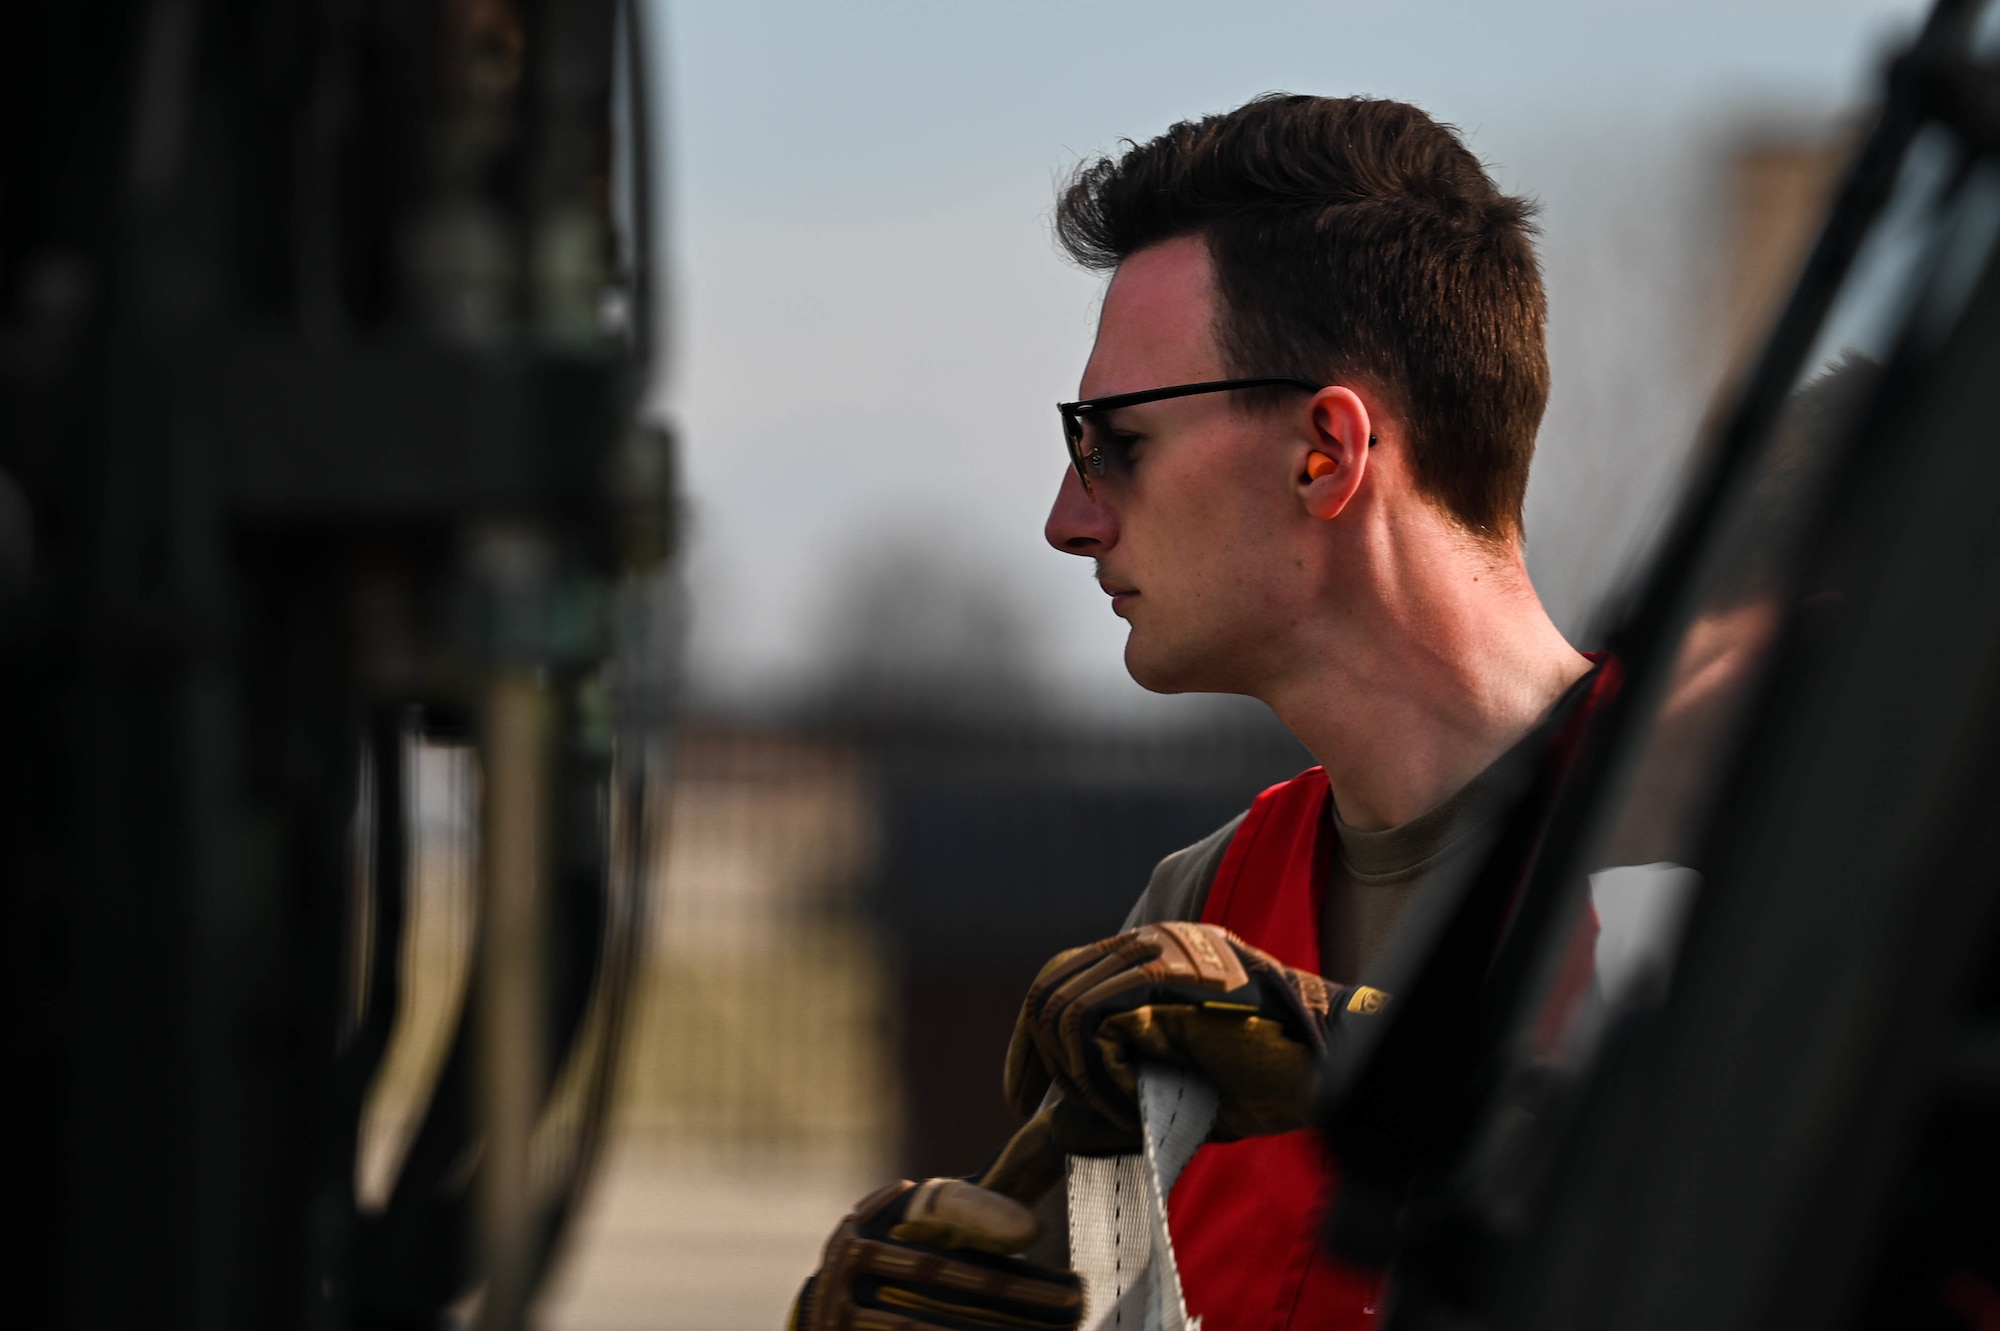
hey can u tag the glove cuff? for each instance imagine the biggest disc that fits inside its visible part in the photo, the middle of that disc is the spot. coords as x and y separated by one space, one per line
872 1279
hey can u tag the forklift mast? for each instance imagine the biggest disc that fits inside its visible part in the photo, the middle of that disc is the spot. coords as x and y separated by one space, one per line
324 333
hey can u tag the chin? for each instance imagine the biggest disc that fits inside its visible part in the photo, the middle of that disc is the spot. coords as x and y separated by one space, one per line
1159 670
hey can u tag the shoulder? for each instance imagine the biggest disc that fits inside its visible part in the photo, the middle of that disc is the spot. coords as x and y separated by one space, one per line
1179 886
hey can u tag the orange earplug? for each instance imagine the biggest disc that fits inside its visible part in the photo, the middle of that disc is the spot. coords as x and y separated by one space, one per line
1319 464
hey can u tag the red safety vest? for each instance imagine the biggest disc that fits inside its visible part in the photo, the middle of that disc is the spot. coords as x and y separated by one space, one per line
1247 1216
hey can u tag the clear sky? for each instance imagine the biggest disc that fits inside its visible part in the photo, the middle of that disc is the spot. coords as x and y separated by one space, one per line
870 324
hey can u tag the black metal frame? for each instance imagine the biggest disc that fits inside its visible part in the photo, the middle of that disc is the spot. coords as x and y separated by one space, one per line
1094 463
1654 1192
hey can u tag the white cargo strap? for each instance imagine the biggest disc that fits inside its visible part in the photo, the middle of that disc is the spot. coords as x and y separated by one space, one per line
1118 1239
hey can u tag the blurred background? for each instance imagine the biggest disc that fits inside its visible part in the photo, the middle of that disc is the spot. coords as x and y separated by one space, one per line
912 765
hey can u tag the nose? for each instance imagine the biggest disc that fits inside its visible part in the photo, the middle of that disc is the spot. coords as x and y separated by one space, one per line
1079 524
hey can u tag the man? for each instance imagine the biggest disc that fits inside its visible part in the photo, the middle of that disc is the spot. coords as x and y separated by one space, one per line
1340 537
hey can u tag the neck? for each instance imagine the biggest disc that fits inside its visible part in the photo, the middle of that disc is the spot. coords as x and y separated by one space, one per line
1439 659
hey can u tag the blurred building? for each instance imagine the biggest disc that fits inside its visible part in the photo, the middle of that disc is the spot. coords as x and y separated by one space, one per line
1777 182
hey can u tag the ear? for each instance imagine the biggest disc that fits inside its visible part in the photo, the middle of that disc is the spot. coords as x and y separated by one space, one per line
1334 457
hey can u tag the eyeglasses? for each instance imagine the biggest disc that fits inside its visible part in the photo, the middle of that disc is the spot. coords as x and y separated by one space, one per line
1096 462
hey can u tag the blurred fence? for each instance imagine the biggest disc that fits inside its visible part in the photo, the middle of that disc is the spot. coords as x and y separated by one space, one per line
998 850
762 1019
847 920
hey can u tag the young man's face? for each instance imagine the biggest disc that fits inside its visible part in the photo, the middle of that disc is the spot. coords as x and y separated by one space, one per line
1193 541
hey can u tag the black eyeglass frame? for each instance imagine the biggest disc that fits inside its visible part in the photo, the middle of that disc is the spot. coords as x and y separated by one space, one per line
1072 414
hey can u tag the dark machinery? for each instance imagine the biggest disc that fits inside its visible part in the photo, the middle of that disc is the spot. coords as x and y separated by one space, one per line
1786 1112
323 332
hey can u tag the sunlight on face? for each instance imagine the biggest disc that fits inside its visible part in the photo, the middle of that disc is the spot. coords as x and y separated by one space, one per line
1182 542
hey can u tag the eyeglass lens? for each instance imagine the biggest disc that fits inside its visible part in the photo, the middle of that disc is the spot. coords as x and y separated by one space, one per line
1094 451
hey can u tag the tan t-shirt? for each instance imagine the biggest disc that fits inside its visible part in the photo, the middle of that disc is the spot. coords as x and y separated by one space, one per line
1376 876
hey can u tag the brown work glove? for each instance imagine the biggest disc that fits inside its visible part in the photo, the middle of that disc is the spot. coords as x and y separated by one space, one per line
939 1255
1184 993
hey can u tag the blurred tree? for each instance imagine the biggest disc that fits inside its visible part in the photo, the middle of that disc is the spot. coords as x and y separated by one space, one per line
911 635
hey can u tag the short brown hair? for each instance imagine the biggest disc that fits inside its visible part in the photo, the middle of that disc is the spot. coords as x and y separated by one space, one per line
1352 237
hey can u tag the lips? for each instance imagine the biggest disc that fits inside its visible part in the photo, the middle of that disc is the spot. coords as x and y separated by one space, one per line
1120 596
1121 593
